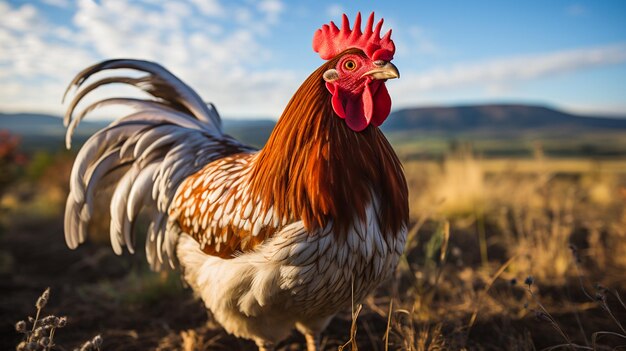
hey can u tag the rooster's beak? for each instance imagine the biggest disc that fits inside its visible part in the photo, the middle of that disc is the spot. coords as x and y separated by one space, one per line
386 70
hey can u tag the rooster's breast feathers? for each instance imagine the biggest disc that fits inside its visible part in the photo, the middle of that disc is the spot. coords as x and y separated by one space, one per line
215 207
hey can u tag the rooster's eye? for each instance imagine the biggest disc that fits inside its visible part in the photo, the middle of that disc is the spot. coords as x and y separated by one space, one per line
349 65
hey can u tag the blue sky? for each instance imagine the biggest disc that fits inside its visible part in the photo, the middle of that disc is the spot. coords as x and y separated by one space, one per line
248 57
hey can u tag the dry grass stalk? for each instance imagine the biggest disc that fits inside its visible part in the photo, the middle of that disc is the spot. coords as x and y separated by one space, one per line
484 293
543 314
388 329
40 337
353 328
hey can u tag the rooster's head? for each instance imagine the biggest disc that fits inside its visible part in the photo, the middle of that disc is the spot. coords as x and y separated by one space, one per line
357 82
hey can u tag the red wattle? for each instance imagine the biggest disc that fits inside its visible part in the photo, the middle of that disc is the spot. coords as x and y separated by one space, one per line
337 102
355 116
382 105
368 104
372 106
337 99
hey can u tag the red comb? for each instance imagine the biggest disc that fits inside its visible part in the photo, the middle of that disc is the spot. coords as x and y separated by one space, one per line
329 40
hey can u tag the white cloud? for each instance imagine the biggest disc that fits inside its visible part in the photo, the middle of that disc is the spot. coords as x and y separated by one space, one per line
608 109
38 58
335 11
28 52
499 75
18 19
272 9
57 3
209 7
223 59
243 15
421 43
576 10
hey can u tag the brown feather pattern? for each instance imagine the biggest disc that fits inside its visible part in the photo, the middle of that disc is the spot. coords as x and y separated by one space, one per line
214 207
316 169
313 168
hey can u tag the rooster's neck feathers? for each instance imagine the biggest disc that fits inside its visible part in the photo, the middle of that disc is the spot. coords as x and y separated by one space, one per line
315 168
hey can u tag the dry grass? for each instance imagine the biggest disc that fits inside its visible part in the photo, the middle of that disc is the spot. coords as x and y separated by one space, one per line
509 219
480 227
39 331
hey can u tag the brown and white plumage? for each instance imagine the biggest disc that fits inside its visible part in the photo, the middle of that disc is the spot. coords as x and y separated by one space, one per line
155 148
271 239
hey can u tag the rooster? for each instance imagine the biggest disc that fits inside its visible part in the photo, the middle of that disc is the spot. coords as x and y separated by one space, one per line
269 239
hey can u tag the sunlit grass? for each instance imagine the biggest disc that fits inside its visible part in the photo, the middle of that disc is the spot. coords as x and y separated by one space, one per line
508 219
479 227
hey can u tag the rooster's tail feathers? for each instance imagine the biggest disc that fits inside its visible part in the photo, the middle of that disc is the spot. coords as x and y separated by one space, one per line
169 91
143 156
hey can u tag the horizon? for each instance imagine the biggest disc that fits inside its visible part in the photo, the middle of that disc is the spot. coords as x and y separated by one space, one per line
261 118
572 57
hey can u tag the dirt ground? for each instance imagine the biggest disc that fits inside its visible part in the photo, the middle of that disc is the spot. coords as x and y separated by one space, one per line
460 285
134 309
117 297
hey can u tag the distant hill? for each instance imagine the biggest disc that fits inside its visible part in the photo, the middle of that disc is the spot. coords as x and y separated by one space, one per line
40 131
493 119
41 124
45 132
408 129
251 131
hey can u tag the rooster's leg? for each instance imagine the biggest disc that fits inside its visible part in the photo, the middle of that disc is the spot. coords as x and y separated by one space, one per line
312 341
264 345
311 330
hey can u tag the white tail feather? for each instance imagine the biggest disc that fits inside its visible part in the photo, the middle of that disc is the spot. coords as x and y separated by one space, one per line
155 148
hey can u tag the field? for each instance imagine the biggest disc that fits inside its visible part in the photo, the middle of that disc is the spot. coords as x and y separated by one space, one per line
504 253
